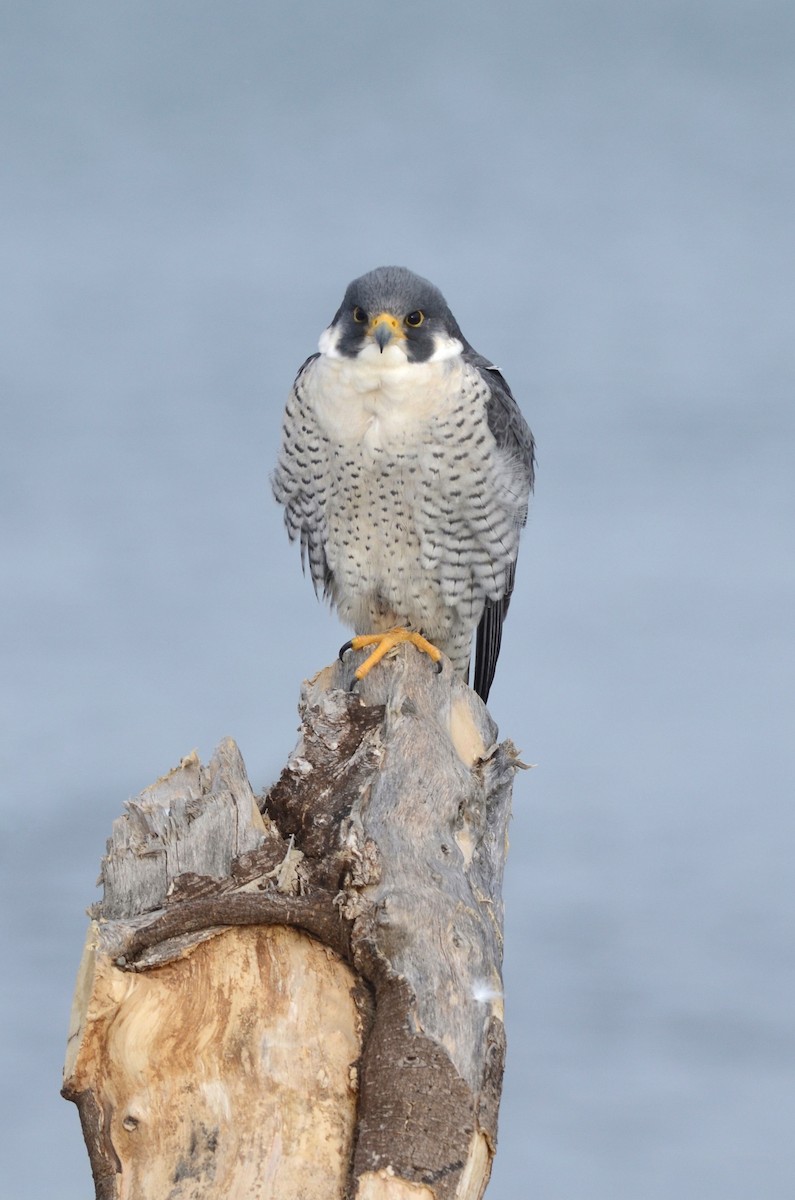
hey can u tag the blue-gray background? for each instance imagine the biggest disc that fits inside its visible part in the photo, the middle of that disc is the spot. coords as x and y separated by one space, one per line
604 193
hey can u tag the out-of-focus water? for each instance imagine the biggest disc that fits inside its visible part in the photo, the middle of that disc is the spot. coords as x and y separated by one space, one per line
604 193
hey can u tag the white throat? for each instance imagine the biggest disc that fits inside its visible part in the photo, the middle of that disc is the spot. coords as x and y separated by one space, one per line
382 399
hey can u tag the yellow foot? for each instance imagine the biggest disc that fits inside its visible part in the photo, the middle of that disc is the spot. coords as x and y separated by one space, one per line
384 642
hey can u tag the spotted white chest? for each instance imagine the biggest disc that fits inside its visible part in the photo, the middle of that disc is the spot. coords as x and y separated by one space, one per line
383 417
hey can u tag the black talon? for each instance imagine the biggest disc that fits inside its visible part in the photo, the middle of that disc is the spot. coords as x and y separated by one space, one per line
439 667
344 649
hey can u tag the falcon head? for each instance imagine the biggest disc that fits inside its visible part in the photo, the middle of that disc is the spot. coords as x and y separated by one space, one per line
393 315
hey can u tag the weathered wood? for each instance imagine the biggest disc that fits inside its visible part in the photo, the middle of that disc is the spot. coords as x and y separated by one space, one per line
301 997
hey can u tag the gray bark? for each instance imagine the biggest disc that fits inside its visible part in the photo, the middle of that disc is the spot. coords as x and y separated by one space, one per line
384 841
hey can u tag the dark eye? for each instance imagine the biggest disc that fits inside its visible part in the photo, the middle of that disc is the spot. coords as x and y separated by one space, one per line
415 318
359 315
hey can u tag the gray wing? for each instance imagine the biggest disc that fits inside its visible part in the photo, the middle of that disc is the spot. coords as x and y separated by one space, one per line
512 434
300 482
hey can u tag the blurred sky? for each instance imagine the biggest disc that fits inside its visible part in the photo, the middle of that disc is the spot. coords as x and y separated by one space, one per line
604 193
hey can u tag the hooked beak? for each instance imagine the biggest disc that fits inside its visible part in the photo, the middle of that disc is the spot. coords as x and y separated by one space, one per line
384 328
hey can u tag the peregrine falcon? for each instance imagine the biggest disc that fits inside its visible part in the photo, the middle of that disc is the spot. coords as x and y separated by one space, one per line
405 471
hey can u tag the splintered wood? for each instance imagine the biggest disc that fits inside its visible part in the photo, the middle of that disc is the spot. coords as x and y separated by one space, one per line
300 998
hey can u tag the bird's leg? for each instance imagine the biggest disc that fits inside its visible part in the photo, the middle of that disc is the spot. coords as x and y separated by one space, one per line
384 642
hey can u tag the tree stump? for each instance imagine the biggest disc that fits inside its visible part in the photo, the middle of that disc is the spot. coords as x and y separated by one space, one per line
299 997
